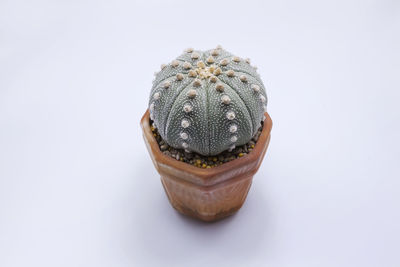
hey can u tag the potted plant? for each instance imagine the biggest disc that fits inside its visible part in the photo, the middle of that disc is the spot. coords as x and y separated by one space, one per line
207 131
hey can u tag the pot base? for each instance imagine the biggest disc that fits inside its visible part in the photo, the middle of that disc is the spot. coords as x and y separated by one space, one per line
207 203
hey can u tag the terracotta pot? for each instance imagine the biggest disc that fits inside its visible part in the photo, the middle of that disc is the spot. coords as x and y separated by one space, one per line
207 194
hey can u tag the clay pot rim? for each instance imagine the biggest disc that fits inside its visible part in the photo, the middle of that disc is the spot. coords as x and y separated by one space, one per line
211 172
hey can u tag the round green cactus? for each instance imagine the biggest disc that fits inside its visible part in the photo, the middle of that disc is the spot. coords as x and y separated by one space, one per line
207 102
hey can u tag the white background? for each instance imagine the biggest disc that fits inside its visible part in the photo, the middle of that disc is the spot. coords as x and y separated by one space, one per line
77 186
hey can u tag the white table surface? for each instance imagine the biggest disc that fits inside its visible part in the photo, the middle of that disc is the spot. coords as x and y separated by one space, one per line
77 186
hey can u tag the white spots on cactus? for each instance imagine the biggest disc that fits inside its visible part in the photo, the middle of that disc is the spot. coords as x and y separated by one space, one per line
166 84
219 47
184 135
207 71
219 87
255 88
230 73
201 65
232 147
195 55
192 93
179 77
236 59
225 99
189 50
197 83
247 60
230 115
255 67
204 72
265 108
187 108
217 71
156 96
187 65
175 63
192 74
224 62
151 108
163 66
185 123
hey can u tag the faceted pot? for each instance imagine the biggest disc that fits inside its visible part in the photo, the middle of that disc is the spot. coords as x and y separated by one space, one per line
207 194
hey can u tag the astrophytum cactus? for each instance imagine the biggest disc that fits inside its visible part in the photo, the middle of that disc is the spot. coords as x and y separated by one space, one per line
207 102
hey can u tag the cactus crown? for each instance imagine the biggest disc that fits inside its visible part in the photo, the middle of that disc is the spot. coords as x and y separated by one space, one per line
207 102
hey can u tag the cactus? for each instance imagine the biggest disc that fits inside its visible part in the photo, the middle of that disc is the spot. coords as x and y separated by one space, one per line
207 102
